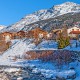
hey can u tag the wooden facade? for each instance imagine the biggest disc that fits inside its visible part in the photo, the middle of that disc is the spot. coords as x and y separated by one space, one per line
20 34
37 33
6 36
56 33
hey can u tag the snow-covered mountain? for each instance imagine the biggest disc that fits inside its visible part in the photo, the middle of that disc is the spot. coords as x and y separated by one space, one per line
14 56
68 7
2 26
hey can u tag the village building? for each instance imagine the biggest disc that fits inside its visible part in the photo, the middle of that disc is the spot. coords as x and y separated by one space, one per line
14 35
1 37
20 34
6 36
56 33
50 35
5 41
64 31
73 32
41 35
37 33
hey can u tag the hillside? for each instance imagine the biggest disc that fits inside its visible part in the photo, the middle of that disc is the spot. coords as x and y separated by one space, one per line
31 53
54 23
45 15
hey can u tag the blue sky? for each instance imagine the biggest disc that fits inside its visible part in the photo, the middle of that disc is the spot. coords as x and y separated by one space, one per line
12 11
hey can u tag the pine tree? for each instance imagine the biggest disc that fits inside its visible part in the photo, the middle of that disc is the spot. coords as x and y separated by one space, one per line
67 42
63 42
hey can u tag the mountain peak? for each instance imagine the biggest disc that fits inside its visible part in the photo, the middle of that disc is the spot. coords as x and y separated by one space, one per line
69 3
57 10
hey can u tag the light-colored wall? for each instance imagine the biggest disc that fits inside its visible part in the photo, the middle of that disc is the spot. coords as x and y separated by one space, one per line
70 29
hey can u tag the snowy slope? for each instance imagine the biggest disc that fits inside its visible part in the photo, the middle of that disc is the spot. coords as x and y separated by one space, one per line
49 70
18 49
44 14
73 48
1 27
47 45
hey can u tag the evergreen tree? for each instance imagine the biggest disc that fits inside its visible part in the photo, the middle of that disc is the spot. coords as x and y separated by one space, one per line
62 43
67 42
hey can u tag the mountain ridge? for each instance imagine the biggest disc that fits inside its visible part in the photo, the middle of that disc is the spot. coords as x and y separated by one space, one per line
57 10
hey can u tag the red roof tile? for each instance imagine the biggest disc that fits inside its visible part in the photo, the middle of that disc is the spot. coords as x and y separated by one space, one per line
74 32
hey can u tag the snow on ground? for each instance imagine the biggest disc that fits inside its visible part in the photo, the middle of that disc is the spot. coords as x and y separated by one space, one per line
17 49
52 45
12 70
48 69
76 66
47 45
73 46
54 73
20 46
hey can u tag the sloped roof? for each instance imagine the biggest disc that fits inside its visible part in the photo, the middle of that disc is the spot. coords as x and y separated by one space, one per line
74 32
38 29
